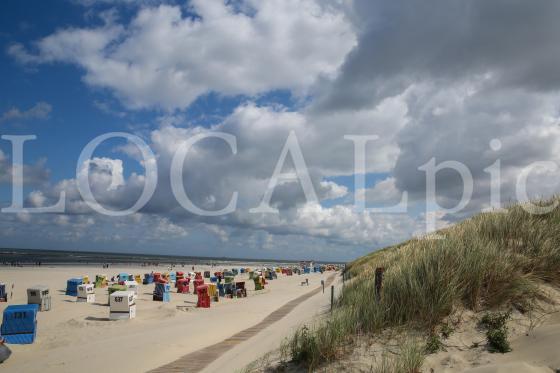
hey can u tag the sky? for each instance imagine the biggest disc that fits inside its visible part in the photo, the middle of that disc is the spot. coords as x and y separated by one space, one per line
474 82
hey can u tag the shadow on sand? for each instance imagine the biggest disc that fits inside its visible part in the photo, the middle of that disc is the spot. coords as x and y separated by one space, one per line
92 318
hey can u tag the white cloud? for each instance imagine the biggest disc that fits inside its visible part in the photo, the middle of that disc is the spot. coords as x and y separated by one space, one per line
218 232
165 228
427 85
163 59
334 190
105 171
40 110
37 198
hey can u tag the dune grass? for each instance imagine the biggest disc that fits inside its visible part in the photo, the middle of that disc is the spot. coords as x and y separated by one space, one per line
490 260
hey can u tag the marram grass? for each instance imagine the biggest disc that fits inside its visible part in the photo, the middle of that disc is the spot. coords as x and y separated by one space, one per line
490 260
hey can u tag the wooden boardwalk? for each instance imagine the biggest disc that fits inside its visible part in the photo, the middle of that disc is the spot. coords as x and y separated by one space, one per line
198 360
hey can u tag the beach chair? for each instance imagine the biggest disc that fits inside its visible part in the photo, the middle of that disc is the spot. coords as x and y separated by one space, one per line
161 292
19 323
100 281
132 286
234 271
148 278
72 286
122 305
114 288
157 276
212 290
203 297
206 274
228 279
229 290
228 274
85 293
172 277
138 279
258 283
240 291
196 283
39 294
183 286
122 277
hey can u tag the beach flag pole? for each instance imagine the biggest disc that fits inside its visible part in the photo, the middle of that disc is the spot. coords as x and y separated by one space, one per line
332 296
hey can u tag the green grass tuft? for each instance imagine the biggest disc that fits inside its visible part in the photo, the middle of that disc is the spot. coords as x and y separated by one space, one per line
491 260
497 333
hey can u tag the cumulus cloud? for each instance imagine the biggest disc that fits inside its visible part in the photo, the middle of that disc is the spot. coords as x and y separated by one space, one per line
212 173
166 60
442 81
40 110
466 73
33 174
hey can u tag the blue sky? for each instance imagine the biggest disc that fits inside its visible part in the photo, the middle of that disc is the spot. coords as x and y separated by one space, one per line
259 70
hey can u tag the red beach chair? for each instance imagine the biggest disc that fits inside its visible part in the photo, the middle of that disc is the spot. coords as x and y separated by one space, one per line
203 297
182 286
196 283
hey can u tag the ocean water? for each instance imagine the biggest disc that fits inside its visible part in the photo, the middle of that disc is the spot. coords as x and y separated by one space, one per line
32 256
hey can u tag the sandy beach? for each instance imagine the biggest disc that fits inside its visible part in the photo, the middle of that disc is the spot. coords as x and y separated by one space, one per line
79 336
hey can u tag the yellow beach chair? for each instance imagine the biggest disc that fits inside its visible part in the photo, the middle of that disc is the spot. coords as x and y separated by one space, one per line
212 289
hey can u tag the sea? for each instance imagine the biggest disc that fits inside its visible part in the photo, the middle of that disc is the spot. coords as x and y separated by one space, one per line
23 257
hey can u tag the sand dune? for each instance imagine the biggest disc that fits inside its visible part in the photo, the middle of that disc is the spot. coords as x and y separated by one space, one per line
535 342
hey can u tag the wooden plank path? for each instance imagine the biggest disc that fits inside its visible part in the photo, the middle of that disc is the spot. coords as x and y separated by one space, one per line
198 360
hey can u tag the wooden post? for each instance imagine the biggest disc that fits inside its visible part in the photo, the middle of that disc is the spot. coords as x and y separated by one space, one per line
332 297
378 283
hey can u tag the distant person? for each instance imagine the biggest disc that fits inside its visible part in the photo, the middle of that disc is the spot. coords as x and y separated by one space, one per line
307 281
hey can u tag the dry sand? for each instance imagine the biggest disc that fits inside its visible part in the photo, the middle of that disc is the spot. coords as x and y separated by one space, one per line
79 337
534 337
